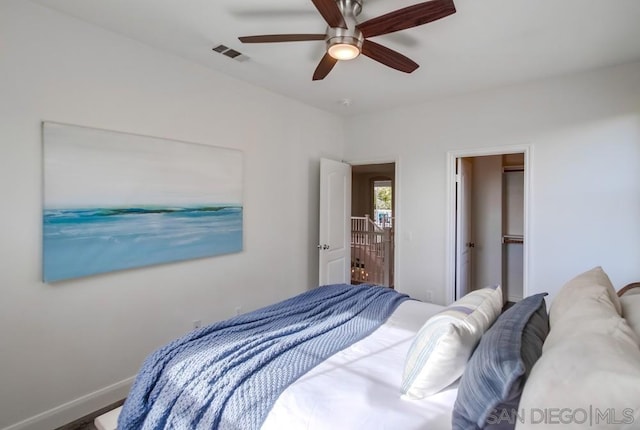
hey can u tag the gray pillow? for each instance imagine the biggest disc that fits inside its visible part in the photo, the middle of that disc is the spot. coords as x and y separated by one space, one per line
492 383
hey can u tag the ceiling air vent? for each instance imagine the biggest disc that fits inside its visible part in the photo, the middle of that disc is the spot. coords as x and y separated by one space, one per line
231 53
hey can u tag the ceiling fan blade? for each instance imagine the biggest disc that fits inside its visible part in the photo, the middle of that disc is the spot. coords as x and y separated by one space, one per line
325 66
407 17
330 12
272 38
388 57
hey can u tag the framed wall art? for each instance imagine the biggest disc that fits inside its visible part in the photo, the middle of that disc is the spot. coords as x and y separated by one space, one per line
115 201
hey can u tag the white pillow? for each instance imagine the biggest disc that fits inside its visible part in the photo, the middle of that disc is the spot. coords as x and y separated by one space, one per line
586 304
634 291
631 310
589 372
443 345
589 379
593 286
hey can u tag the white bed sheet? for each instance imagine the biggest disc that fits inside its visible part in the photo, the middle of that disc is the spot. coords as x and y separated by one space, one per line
359 387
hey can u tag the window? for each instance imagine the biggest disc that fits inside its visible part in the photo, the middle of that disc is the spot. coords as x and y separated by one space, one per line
383 203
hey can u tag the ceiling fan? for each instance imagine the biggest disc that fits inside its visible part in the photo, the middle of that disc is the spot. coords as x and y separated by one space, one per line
346 39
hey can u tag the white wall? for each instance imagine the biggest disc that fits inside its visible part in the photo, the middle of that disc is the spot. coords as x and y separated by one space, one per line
585 192
61 342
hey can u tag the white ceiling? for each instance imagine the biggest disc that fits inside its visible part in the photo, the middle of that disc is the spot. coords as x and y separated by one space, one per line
486 44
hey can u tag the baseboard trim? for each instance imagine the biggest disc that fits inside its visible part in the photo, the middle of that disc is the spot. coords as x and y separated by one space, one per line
80 407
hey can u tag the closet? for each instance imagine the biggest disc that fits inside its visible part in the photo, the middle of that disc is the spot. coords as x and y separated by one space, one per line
496 222
512 225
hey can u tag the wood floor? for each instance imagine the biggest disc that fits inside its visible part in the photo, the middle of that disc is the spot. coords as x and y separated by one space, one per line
86 422
89 426
79 425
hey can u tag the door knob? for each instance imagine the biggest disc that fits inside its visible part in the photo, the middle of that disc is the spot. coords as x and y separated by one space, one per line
471 245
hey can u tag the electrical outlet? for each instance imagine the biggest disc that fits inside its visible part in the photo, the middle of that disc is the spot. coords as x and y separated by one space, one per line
197 324
429 296
238 310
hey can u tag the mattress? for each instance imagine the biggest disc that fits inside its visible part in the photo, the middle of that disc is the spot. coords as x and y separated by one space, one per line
359 387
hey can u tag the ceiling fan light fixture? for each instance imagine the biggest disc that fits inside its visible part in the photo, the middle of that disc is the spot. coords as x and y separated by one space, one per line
343 51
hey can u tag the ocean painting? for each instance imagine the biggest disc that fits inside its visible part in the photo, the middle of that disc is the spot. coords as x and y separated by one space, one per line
115 201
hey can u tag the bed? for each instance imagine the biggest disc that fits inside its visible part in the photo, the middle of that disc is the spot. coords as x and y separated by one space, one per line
363 381
418 366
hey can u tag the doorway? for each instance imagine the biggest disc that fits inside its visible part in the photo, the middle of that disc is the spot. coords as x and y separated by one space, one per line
488 196
373 224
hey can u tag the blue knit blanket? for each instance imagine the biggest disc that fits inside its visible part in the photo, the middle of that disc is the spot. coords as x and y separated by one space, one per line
228 375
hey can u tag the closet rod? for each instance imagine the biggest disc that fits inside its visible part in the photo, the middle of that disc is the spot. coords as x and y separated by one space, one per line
509 238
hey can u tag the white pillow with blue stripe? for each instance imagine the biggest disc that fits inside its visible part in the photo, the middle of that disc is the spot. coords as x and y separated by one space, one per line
441 349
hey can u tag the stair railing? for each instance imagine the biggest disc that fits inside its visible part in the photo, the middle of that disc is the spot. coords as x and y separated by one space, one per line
371 252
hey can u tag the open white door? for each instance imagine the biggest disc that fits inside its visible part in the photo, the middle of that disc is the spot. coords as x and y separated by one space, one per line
335 222
464 242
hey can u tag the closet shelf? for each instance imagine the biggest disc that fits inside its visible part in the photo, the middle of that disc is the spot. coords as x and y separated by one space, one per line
509 169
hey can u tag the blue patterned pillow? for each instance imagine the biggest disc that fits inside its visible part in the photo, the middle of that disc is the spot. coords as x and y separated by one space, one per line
492 383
